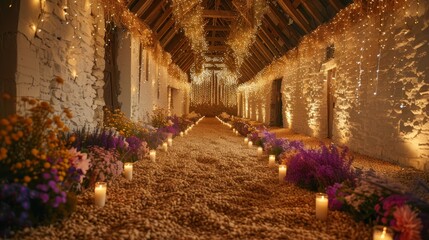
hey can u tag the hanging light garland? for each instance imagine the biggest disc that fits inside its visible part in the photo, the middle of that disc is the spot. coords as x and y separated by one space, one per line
243 32
189 16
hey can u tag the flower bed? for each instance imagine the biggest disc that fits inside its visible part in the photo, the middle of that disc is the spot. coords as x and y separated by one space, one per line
365 196
43 164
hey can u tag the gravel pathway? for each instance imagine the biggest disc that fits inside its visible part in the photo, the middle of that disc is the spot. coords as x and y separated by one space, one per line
207 186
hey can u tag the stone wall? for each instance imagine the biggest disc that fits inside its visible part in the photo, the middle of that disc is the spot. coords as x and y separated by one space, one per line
380 87
53 39
58 40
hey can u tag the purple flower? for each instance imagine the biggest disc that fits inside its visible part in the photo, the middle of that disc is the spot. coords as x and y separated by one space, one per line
53 186
42 187
44 197
46 176
335 196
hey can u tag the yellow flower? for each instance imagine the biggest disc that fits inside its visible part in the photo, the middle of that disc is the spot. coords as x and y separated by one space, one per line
43 156
72 139
32 102
20 134
27 179
61 178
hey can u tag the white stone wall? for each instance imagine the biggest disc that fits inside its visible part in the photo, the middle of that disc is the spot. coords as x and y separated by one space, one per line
381 86
71 46
140 95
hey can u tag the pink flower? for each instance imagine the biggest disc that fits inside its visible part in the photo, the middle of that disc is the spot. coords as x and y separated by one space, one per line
79 161
407 224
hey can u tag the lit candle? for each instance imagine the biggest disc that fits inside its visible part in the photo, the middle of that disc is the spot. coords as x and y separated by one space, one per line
181 134
382 233
321 206
246 140
165 147
170 142
259 151
271 160
152 155
128 171
282 173
186 132
250 144
100 194
233 130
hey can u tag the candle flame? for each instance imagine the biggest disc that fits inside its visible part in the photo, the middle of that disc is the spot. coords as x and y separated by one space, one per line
383 234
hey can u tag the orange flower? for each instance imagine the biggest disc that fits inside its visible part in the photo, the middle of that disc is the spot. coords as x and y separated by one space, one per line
19 165
4 122
20 134
13 118
3 153
32 102
27 179
72 139
46 165
35 152
45 105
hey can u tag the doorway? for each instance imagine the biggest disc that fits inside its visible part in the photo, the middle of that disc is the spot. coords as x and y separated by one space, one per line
111 73
276 116
331 100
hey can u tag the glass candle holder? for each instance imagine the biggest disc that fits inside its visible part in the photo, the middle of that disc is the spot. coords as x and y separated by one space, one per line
128 171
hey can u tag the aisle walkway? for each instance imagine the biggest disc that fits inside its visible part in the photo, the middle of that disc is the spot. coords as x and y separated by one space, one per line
207 186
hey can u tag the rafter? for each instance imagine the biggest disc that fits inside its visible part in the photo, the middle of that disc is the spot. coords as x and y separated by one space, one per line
294 14
217 28
219 14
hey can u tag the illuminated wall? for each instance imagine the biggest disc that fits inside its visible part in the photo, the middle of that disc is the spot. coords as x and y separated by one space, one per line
59 38
212 93
381 85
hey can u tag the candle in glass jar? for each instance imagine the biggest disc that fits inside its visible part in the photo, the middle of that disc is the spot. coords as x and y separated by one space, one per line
282 173
271 160
128 171
259 151
382 233
165 147
246 140
181 134
170 142
321 206
100 194
152 155
250 144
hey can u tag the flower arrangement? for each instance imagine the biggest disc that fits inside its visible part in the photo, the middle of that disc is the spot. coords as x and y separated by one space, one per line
118 121
158 118
137 149
381 201
105 166
34 160
317 169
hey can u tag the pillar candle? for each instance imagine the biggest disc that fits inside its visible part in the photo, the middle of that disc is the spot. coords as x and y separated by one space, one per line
282 173
152 155
321 206
260 151
181 134
128 171
382 233
165 147
170 142
100 194
271 160
250 144
246 140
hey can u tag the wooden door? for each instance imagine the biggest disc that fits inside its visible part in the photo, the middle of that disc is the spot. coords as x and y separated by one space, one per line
276 104
111 75
331 100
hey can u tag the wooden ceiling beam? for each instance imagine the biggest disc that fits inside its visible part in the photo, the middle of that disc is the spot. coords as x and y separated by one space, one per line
171 47
188 64
258 54
220 48
287 32
288 8
160 21
267 33
267 54
141 6
255 58
167 26
313 12
335 5
272 45
254 63
153 12
217 28
183 46
216 39
207 13
184 57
